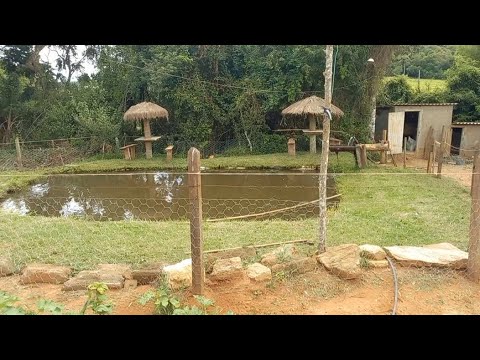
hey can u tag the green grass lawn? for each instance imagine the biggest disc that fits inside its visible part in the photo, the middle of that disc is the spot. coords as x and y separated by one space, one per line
426 85
380 205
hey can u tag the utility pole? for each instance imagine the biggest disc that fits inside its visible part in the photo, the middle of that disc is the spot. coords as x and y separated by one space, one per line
322 184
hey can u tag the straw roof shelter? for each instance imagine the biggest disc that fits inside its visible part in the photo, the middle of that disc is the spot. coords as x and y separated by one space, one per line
146 111
312 107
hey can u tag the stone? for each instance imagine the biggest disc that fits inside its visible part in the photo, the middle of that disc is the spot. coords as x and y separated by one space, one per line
444 246
87 277
130 284
259 272
210 258
377 263
342 260
437 255
45 273
227 269
122 269
179 275
298 266
149 273
6 267
373 252
281 254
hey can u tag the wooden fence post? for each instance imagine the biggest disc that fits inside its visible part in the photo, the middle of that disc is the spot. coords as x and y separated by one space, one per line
475 156
441 153
383 156
363 155
473 264
19 152
196 236
429 163
358 156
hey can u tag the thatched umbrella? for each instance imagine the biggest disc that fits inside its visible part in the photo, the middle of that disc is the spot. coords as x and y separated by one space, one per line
146 111
312 107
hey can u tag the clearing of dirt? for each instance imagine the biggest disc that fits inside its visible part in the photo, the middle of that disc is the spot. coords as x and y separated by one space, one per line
421 291
461 173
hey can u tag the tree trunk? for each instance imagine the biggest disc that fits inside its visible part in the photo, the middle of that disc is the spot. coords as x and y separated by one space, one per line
248 140
313 138
325 149
372 117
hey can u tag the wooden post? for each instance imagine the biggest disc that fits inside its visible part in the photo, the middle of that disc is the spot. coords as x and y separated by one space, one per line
383 156
19 152
147 134
429 163
473 264
291 146
313 138
358 156
404 152
196 236
363 155
434 156
441 152
475 156
322 183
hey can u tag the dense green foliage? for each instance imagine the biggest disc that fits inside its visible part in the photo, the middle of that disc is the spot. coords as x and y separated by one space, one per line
430 60
464 83
213 93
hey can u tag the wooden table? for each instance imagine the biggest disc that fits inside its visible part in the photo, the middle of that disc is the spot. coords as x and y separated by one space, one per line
129 151
148 144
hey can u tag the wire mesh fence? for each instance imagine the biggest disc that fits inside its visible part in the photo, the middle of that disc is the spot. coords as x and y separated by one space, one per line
142 218
46 153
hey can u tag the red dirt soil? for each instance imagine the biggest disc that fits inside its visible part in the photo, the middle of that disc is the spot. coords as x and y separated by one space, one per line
421 291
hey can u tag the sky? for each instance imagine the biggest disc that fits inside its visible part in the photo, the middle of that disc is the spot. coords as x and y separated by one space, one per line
48 55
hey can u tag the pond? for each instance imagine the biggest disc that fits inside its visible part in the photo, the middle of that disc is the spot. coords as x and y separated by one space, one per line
164 196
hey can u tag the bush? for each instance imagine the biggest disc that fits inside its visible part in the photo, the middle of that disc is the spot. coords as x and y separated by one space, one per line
269 144
396 90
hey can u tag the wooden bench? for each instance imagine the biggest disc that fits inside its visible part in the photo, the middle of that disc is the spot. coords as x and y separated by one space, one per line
169 150
129 151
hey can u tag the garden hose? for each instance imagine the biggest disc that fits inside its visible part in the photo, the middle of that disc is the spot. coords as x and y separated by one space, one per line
395 283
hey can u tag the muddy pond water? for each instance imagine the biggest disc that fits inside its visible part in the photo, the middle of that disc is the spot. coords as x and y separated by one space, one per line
164 196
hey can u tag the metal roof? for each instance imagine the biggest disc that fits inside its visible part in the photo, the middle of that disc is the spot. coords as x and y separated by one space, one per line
425 104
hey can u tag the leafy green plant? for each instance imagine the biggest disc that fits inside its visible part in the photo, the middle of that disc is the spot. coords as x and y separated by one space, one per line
97 299
165 302
168 304
97 302
205 308
7 305
49 306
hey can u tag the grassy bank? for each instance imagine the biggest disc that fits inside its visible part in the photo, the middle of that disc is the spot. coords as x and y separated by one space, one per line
379 206
426 85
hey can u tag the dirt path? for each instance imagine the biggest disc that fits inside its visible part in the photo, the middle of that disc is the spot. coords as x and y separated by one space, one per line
422 291
461 173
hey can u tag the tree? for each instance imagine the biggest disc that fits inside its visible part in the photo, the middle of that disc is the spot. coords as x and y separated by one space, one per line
396 90
463 81
430 60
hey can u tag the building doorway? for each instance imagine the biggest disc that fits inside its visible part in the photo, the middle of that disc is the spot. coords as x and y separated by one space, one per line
456 140
410 129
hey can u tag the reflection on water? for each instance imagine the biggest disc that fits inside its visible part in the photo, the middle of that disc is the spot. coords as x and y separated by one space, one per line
164 196
16 206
